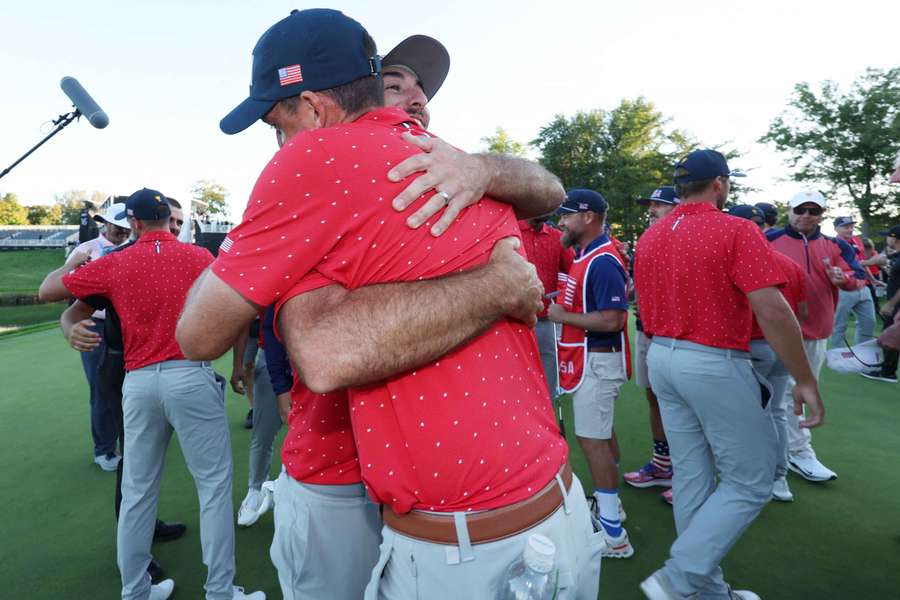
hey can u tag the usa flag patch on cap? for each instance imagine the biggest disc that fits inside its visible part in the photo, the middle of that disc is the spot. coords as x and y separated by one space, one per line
289 75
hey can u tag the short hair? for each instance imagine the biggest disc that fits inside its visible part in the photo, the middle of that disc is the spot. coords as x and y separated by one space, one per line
683 190
173 202
355 97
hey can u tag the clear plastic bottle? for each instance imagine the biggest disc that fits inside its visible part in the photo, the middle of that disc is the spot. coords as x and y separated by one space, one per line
531 577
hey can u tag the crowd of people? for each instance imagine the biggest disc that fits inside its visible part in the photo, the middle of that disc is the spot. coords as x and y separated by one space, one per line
411 313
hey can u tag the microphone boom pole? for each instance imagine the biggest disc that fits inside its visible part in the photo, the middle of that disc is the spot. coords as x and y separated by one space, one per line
60 123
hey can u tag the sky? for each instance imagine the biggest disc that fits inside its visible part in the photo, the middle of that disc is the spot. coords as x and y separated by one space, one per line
166 72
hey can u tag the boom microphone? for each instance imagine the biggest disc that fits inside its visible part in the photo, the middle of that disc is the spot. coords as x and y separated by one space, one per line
84 103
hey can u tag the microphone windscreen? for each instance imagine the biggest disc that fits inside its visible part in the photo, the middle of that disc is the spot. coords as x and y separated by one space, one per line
83 102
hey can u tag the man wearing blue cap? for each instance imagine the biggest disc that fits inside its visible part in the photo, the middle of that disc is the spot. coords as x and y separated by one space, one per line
593 351
658 471
147 284
460 309
701 275
858 301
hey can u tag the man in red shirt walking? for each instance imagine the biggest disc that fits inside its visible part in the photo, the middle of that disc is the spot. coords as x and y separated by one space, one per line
343 125
147 284
542 246
701 275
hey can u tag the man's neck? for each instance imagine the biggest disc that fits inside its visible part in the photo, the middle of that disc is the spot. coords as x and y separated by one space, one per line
700 199
589 236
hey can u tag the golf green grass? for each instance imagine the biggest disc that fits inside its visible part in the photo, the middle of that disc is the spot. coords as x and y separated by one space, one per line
837 540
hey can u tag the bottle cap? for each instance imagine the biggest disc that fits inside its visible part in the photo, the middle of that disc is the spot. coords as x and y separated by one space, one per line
539 553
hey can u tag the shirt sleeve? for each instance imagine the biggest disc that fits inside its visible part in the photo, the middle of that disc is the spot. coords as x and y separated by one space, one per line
751 263
850 264
277 362
288 226
92 279
606 285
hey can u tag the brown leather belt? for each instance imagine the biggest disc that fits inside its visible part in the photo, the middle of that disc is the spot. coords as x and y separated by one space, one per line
487 526
604 349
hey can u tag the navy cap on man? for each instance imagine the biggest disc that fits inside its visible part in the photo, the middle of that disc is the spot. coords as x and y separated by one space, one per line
582 200
746 211
770 212
703 165
892 232
314 49
664 195
146 205
841 221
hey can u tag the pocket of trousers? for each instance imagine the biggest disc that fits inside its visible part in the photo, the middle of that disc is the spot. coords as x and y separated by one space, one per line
765 388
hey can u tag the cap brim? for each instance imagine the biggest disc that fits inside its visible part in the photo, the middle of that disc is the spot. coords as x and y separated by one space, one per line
426 56
737 174
244 115
562 210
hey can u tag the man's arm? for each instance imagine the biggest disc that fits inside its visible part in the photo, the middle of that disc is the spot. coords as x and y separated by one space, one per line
77 324
52 288
238 378
888 307
525 185
339 339
212 301
782 331
611 320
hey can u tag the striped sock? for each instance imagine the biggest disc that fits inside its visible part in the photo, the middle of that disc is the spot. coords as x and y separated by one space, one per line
608 504
661 459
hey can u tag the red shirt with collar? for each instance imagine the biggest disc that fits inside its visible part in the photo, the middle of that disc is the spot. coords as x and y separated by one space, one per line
473 430
147 284
693 271
794 289
544 250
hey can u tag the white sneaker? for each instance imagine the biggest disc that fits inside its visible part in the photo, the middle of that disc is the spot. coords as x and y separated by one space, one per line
268 493
808 466
240 595
107 462
656 587
249 513
781 491
162 590
744 595
618 547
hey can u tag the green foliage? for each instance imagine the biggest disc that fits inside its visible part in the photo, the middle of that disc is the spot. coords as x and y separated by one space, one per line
212 195
11 212
845 142
623 153
43 214
70 203
502 143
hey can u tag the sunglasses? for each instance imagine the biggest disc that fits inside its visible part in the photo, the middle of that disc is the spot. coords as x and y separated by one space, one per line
815 211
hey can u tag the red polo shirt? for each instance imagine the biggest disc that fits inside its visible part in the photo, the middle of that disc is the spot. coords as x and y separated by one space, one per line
473 430
147 284
693 271
794 289
544 250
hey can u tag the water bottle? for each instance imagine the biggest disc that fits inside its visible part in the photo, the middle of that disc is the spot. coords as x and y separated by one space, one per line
531 577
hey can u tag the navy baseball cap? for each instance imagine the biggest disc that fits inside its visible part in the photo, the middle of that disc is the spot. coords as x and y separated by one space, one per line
703 165
841 221
424 56
769 210
315 49
146 205
746 211
582 200
893 232
664 194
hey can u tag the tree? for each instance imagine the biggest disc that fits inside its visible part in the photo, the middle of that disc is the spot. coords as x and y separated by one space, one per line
43 214
845 143
211 195
502 143
623 153
70 205
11 212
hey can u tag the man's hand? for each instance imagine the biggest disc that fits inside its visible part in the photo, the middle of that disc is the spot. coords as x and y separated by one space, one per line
464 178
555 312
886 310
836 275
239 380
524 292
808 394
76 259
82 336
284 405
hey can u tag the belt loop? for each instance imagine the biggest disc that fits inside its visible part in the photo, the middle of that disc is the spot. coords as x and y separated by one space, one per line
565 494
462 535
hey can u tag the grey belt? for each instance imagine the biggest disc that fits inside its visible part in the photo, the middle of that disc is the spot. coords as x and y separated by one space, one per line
176 364
673 343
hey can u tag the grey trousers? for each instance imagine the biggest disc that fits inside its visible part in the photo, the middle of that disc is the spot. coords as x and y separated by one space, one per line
266 423
860 303
711 404
104 427
184 396
545 331
767 364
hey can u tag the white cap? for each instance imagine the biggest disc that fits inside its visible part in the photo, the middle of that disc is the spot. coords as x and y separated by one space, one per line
115 214
804 197
539 553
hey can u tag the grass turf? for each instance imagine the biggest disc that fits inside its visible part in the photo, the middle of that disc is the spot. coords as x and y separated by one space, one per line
837 540
23 270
